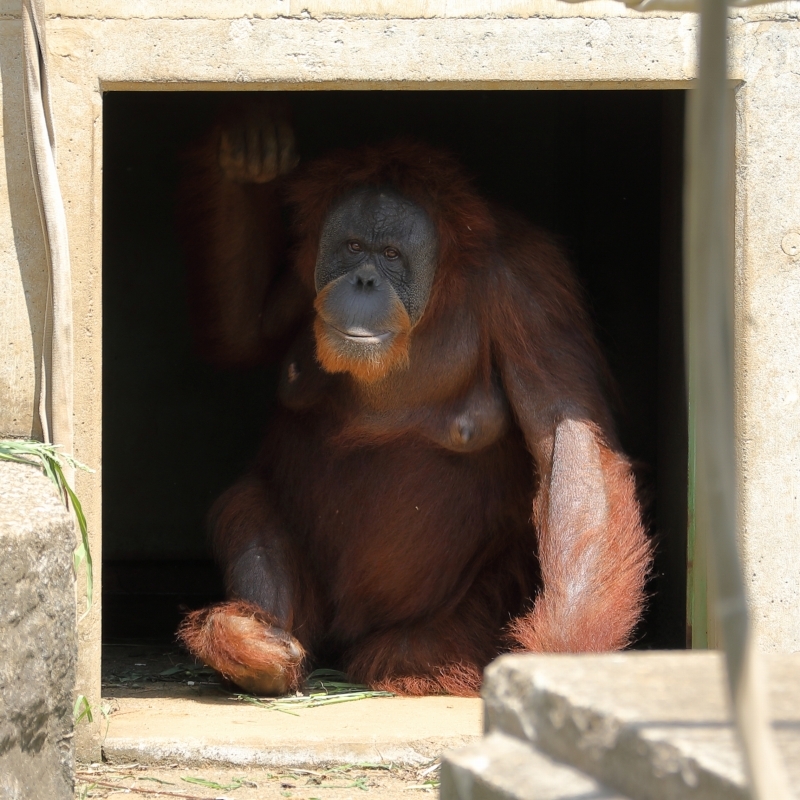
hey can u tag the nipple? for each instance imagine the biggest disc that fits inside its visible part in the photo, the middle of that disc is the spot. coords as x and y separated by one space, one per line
462 430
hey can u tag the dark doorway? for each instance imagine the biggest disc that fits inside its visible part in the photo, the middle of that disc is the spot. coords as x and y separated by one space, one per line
600 168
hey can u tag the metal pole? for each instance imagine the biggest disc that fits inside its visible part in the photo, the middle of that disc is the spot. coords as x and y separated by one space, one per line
709 315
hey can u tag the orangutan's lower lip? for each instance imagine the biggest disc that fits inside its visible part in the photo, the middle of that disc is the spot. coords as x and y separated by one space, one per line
362 335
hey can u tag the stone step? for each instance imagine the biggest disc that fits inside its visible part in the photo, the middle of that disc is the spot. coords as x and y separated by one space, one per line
201 725
654 726
502 767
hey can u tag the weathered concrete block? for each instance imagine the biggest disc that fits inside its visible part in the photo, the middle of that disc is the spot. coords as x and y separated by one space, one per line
504 768
655 726
37 637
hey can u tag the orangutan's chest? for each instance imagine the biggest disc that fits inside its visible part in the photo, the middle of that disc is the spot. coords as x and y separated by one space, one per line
456 402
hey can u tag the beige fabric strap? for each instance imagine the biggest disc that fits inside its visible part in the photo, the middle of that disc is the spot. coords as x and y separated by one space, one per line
56 392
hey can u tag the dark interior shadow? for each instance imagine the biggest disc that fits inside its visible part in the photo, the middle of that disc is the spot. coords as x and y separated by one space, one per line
563 159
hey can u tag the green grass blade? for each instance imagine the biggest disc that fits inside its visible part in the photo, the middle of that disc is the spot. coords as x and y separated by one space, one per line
83 548
82 709
236 783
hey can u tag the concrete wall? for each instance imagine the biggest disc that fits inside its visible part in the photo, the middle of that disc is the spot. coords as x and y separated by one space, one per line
288 44
768 321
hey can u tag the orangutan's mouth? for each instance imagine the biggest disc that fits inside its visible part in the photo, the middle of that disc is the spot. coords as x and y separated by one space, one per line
362 335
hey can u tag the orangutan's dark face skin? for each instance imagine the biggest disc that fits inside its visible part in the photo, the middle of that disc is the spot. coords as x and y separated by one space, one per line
374 271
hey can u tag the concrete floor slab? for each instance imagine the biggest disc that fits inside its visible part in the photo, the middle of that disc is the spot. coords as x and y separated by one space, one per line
201 726
161 707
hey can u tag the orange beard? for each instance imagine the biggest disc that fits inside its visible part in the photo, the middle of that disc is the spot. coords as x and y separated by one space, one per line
370 362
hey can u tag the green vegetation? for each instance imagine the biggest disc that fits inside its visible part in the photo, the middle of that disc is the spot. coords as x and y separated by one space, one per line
323 687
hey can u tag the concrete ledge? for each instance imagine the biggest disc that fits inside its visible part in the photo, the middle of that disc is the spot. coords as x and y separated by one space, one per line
37 637
504 768
199 726
655 726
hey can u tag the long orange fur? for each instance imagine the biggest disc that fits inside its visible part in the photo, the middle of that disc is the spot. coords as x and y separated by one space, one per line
414 566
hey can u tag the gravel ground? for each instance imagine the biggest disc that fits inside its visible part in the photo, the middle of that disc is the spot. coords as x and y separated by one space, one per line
141 782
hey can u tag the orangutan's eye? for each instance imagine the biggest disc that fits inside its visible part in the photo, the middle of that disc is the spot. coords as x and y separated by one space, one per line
354 246
391 253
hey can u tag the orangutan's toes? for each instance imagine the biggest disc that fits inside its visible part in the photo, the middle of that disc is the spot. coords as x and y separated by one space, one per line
239 640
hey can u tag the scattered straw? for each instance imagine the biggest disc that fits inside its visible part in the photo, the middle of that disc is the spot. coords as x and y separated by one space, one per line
323 687
91 782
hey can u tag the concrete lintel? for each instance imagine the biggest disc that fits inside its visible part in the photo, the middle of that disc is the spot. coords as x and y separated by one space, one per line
395 86
365 9
322 9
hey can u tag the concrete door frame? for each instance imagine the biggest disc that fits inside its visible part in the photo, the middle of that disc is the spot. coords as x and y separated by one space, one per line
423 44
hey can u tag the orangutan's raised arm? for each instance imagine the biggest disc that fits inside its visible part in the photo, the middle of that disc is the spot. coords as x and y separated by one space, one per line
243 299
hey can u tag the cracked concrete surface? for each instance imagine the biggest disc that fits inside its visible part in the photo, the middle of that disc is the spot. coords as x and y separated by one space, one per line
37 637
